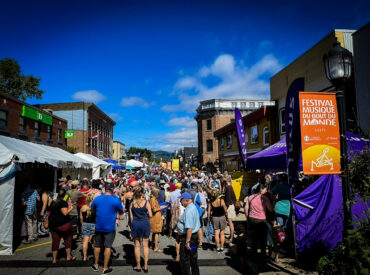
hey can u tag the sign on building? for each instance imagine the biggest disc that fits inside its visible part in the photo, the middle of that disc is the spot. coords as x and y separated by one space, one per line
69 133
100 154
319 133
36 115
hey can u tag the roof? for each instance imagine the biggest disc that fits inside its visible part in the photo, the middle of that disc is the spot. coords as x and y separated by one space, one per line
27 152
13 98
76 106
256 115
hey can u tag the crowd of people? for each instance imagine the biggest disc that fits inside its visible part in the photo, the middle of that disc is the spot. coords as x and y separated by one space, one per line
156 201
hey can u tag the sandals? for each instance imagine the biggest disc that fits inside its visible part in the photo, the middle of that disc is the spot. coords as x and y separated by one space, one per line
158 251
137 269
73 258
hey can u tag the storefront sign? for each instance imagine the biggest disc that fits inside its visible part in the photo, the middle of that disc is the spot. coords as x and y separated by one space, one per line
176 165
69 133
36 115
319 133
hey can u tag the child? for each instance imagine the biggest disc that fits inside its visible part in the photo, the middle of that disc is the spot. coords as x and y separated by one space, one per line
241 244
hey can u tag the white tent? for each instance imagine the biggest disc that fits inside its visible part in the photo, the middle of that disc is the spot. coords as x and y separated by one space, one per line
97 165
13 151
134 163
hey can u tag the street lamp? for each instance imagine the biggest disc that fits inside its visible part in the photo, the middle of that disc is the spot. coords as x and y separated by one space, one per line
338 69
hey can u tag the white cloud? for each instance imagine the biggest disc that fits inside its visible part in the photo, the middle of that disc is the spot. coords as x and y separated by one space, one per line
115 116
179 138
233 79
89 96
135 101
182 121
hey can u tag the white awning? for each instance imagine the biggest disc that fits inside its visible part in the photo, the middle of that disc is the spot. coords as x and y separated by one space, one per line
23 151
96 161
134 163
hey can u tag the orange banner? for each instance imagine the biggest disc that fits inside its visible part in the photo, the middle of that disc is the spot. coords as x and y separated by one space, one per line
169 165
319 133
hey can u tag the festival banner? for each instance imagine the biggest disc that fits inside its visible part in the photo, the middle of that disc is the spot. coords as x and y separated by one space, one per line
241 137
293 133
319 133
176 165
169 165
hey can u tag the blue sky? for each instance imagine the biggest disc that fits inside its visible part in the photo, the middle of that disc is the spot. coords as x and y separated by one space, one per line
149 63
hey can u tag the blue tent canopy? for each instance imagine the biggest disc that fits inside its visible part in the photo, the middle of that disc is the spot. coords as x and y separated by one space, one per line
115 164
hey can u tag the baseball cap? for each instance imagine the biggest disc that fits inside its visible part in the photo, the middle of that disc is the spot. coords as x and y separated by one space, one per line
75 182
179 185
185 195
109 186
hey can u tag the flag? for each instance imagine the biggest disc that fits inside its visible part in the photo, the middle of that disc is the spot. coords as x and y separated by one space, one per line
241 137
97 135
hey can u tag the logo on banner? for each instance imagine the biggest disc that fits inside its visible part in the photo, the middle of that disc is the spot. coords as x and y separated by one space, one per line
319 133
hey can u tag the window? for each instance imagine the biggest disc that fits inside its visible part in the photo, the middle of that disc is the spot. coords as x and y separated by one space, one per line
229 142
282 121
3 120
251 104
89 142
209 125
234 104
22 125
260 104
222 143
243 105
37 129
209 145
254 134
89 124
266 136
59 135
50 132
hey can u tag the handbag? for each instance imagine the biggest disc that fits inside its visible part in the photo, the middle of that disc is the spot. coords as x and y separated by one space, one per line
209 232
46 222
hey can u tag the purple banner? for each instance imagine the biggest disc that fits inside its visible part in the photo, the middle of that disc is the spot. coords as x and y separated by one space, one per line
293 129
241 137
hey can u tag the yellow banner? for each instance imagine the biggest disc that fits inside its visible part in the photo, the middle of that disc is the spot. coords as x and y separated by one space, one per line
176 165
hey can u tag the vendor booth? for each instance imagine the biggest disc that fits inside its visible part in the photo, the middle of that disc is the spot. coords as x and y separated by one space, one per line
114 164
17 156
135 163
319 208
100 168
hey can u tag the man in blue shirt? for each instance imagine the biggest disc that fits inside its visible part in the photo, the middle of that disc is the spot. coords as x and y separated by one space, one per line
29 199
108 208
188 227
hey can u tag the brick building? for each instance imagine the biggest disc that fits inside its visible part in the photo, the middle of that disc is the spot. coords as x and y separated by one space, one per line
90 129
213 114
260 132
21 120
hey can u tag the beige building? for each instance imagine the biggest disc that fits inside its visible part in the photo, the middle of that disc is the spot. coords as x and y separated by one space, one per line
309 66
213 114
91 128
260 132
119 151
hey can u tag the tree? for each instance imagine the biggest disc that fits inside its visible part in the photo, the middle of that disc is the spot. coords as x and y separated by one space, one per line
14 83
143 152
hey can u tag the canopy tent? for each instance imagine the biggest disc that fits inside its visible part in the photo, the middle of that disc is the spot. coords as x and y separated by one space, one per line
274 157
115 164
128 167
134 163
98 165
13 151
319 212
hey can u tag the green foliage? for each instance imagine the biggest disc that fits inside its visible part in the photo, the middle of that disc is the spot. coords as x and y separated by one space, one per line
72 150
143 152
14 83
359 170
352 256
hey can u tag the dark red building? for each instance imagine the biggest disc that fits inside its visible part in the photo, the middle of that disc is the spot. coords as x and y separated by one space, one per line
21 120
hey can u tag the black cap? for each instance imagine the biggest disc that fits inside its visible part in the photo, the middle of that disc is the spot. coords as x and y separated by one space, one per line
109 186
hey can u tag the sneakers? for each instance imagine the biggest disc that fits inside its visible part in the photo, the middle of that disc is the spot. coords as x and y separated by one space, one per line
95 268
107 271
220 250
26 241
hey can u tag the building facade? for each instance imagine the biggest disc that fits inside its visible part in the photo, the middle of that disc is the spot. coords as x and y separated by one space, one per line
212 115
91 130
361 54
260 132
188 157
24 121
310 66
119 151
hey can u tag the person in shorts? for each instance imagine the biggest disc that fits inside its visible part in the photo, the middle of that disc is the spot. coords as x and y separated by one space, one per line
108 208
218 209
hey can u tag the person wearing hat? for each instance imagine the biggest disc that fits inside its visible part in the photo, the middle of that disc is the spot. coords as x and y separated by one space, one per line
187 228
108 208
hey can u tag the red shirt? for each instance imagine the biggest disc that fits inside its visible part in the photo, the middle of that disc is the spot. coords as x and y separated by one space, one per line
172 187
82 201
